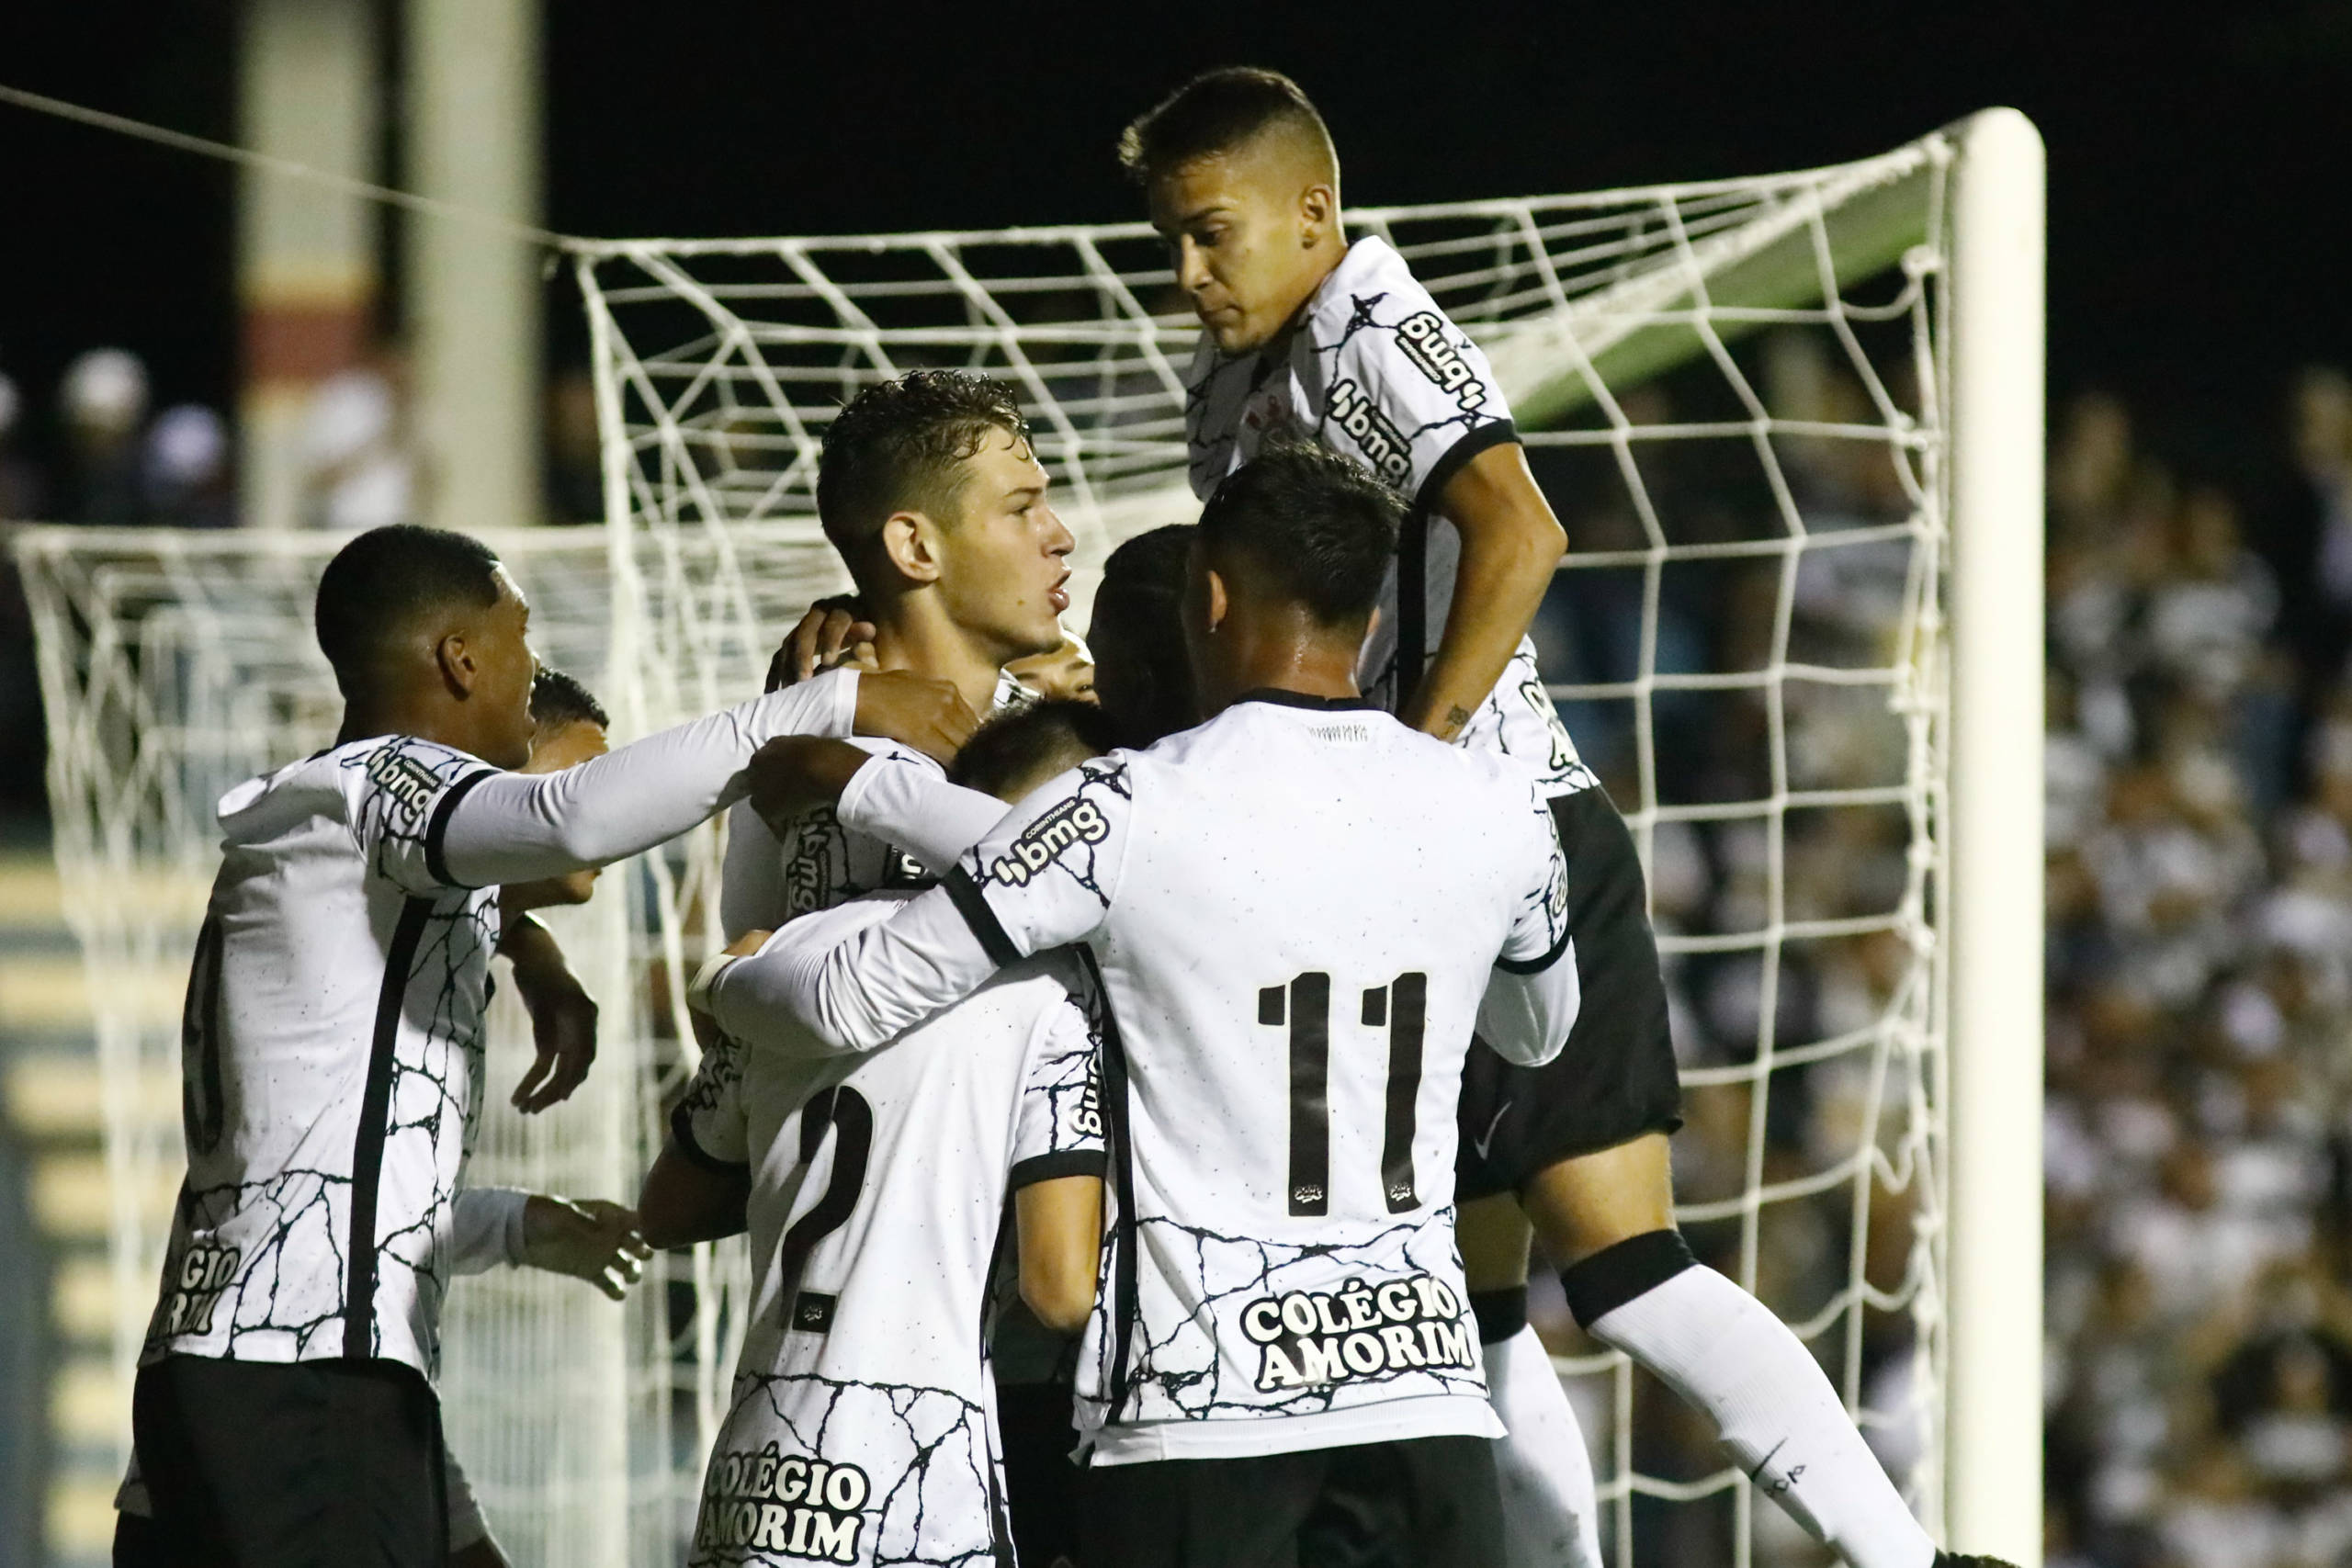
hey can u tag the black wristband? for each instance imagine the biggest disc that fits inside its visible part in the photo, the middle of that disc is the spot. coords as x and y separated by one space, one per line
1615 1274
1500 1313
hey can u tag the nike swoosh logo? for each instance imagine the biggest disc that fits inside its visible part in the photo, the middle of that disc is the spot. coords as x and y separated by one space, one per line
1481 1144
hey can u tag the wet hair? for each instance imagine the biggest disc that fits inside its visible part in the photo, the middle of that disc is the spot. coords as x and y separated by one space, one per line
900 445
1313 527
1216 112
558 699
1014 752
1139 614
380 584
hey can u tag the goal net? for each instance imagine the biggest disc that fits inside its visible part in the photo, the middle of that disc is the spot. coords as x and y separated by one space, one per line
1737 396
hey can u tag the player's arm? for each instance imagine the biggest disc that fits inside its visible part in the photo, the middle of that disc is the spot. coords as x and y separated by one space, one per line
1061 1224
888 798
470 1543
1510 543
1044 877
1532 996
701 1181
687 1200
495 828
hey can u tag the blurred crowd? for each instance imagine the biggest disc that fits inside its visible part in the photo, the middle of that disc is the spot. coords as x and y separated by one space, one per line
2199 1121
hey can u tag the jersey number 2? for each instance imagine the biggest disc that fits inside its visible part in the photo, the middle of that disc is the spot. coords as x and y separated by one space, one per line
1306 1006
846 1114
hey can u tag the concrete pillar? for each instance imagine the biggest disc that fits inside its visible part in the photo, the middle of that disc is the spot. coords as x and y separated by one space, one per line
306 255
473 138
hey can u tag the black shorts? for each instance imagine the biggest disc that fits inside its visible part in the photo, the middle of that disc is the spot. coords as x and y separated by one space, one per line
336 1464
1616 1079
1040 1481
1415 1502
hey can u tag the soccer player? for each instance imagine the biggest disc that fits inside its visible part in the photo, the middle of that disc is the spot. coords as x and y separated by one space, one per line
930 493
1305 332
1066 673
568 726
860 1428
284 1409
1296 909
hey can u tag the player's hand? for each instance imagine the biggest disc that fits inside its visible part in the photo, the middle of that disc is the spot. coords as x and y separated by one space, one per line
592 1239
564 1035
833 633
915 710
794 773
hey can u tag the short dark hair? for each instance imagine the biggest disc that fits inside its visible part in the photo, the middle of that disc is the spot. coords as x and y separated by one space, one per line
1316 528
1215 112
1012 746
558 699
1142 595
898 445
382 582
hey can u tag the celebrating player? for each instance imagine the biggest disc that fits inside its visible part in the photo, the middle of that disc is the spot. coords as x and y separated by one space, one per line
859 1429
1303 331
1296 909
931 495
284 1409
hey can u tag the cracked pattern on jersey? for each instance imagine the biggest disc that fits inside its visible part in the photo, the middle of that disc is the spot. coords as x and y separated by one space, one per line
259 1268
817 1469
1067 836
1061 1106
1232 1325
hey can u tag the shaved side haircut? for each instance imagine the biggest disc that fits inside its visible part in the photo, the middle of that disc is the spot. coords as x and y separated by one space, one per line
900 446
383 583
558 699
1014 752
1311 526
1221 111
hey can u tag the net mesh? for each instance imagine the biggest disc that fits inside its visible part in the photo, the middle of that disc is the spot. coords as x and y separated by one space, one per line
1733 392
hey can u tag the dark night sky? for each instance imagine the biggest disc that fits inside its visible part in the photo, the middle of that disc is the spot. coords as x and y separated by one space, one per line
2199 210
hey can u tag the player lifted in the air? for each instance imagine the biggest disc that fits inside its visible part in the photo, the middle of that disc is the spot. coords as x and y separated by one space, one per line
931 495
284 1409
859 1429
1296 911
1306 331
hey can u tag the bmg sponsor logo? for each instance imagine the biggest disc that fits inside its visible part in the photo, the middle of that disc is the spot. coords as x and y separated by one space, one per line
1423 338
1383 445
406 780
1073 822
1358 1333
766 1501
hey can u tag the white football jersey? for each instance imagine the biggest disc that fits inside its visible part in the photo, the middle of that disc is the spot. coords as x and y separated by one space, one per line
862 1427
1296 911
1376 371
332 1062
818 863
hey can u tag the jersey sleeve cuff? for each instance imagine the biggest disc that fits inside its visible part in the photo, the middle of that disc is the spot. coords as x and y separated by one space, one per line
1500 433
973 905
436 864
1536 966
682 1132
1053 1166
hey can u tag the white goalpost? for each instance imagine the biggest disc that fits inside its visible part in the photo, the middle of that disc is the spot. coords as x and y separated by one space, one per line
1792 424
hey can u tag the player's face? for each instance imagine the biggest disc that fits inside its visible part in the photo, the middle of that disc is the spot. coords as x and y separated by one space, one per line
1066 673
1241 243
1002 572
504 668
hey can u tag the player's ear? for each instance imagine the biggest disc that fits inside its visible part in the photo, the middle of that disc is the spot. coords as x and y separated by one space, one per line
1218 602
459 669
910 541
1318 214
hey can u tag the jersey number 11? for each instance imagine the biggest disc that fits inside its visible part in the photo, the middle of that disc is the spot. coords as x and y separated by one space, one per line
1304 1005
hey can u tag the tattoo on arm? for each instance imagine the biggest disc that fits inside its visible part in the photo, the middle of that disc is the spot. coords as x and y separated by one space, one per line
1455 717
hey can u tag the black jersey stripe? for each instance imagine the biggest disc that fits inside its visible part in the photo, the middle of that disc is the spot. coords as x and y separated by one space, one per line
1054 1166
973 905
1126 1309
435 866
1498 432
1537 965
368 1149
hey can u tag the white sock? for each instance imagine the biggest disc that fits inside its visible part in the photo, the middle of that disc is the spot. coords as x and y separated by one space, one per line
1718 1347
1550 1519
